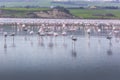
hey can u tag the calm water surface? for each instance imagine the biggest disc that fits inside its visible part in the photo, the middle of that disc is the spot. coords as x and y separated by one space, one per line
58 58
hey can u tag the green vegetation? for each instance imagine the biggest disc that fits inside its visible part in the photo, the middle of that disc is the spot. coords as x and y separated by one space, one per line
90 13
20 12
24 9
78 13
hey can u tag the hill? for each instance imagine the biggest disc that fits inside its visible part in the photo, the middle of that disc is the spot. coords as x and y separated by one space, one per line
55 13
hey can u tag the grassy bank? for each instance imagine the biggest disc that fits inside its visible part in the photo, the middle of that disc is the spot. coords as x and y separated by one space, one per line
47 3
20 12
81 13
89 13
24 9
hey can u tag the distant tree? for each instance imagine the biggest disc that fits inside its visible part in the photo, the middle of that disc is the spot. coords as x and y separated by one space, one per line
3 6
31 15
111 7
12 15
99 15
62 9
28 6
110 15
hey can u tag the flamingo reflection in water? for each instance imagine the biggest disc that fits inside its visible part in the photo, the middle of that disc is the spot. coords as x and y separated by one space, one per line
74 39
31 41
50 44
88 32
109 37
117 34
25 29
64 43
64 34
55 36
99 31
41 41
88 43
41 34
5 41
13 40
109 51
117 39
88 38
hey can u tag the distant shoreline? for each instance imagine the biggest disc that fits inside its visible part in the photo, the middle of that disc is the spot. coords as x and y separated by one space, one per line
77 13
58 18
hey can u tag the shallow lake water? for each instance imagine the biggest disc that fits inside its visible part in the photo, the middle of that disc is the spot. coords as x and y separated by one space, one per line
31 57
56 58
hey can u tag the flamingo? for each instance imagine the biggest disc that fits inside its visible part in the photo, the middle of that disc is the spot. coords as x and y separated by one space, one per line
74 38
99 30
55 34
50 33
25 29
31 32
12 34
41 32
88 32
64 33
109 37
5 34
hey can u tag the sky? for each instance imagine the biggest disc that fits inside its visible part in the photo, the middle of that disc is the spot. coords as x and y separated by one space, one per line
83 0
49 0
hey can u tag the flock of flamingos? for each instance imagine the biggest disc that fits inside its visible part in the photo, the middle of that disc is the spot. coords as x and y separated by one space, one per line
58 27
